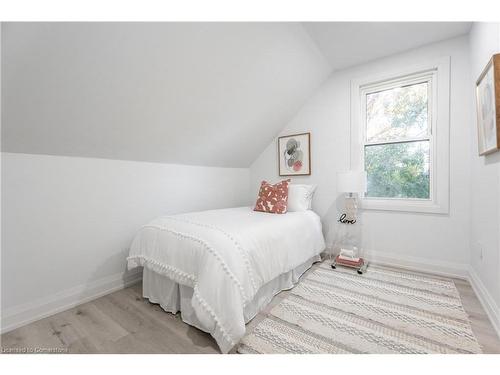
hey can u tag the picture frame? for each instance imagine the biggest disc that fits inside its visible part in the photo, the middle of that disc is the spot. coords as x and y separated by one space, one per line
488 107
294 154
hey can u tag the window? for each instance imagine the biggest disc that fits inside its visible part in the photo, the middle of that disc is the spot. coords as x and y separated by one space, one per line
400 138
397 138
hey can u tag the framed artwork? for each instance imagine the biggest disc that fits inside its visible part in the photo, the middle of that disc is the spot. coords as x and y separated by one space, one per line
294 155
488 107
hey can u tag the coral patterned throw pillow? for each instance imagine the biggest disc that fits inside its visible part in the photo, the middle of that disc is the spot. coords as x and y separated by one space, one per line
272 198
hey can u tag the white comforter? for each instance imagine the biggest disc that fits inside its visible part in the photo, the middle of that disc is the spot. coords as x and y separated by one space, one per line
226 256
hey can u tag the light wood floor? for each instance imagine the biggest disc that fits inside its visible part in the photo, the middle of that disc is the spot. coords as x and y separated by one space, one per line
124 322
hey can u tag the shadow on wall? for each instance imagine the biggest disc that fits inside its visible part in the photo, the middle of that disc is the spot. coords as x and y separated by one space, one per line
492 158
100 284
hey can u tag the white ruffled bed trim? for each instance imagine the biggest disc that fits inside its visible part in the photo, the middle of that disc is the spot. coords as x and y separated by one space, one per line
211 250
173 273
224 340
242 251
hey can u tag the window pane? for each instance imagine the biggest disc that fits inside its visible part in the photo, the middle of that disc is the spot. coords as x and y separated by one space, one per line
398 170
397 113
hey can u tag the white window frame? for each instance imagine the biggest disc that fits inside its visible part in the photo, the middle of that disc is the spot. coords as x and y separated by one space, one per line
438 75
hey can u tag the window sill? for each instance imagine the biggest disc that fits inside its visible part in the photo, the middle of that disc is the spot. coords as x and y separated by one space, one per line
402 205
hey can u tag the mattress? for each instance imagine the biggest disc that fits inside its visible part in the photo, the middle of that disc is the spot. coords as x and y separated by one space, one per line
226 256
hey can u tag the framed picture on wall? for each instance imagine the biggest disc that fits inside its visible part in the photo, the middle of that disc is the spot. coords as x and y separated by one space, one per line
488 107
294 155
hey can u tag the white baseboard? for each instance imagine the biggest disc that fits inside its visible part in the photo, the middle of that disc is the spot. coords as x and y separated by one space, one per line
24 314
441 268
490 306
447 269
18 316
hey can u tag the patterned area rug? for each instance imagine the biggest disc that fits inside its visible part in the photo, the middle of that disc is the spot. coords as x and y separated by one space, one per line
381 311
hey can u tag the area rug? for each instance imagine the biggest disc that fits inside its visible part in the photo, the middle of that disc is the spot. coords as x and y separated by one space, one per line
381 311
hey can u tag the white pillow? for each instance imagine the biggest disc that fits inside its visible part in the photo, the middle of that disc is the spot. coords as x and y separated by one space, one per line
300 197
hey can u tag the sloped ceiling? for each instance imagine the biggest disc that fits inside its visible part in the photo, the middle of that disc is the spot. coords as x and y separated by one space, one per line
211 94
351 43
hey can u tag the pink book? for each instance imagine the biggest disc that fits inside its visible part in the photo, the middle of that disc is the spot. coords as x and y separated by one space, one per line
349 262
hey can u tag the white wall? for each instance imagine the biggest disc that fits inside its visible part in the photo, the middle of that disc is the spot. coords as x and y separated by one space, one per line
209 94
436 242
485 217
67 222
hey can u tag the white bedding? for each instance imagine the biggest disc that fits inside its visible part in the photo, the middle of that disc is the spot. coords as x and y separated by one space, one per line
226 256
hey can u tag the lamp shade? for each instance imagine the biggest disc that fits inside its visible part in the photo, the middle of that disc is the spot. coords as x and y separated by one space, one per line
351 182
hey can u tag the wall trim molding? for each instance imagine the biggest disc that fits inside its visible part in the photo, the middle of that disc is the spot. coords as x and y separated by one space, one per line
437 267
21 315
487 301
447 269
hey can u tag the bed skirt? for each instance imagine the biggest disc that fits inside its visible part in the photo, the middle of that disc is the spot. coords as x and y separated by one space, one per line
174 297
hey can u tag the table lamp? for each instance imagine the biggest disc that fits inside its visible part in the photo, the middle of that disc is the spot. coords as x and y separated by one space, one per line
350 254
350 183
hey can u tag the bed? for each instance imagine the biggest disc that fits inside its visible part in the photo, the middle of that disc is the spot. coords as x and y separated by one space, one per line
219 268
